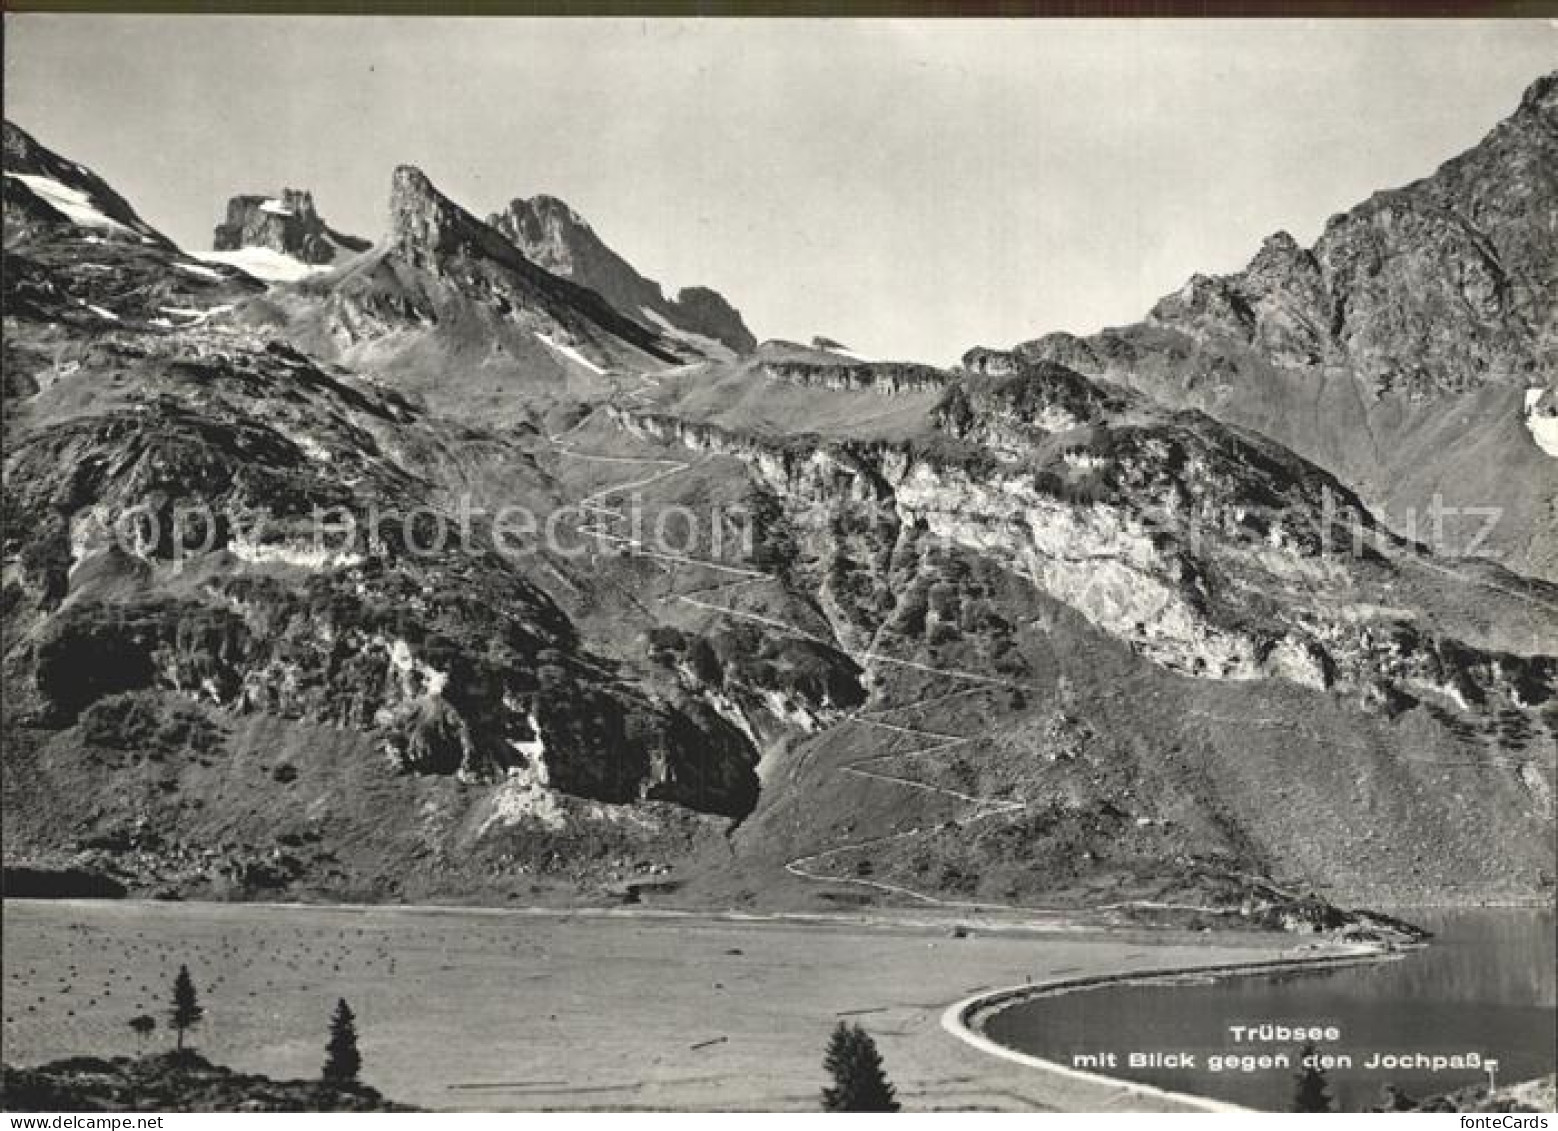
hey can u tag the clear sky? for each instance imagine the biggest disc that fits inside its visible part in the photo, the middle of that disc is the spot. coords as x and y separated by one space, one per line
910 189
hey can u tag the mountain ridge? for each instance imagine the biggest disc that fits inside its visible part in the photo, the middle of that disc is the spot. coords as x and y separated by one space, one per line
66 191
1397 350
1013 635
451 309
553 235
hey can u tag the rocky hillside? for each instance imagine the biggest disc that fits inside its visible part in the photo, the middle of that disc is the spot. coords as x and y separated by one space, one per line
173 1082
1101 593
278 238
1398 352
1168 530
805 630
557 238
172 606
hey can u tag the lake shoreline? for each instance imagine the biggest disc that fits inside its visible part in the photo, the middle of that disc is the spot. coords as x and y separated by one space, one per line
439 991
966 1020
1476 993
796 975
988 921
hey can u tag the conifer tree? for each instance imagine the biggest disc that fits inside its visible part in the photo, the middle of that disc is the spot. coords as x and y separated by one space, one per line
187 1010
342 1060
859 1083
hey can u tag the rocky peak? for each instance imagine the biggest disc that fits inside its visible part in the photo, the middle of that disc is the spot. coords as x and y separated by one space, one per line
457 284
1207 305
1448 284
52 189
554 236
705 311
1541 97
1279 260
21 151
430 229
1438 286
1409 302
551 234
422 219
288 224
432 232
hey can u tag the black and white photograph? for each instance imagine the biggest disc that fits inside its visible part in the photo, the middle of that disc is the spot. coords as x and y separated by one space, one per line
809 565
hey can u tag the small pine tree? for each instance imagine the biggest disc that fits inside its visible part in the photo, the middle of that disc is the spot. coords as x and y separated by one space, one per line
1309 1093
142 1026
187 1010
859 1083
342 1060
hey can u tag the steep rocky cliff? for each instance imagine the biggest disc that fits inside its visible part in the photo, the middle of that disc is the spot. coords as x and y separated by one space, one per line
1215 553
1398 350
1132 628
557 238
453 311
279 237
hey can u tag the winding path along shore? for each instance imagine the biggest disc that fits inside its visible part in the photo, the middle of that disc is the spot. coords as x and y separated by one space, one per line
505 1009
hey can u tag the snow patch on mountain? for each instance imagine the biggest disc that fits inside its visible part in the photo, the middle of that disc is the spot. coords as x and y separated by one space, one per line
196 269
195 314
569 352
264 264
73 204
1542 421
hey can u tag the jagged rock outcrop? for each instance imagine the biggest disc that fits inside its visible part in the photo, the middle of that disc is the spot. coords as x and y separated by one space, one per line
704 311
553 235
1007 404
885 378
1280 303
1397 351
430 232
1442 286
448 308
287 224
